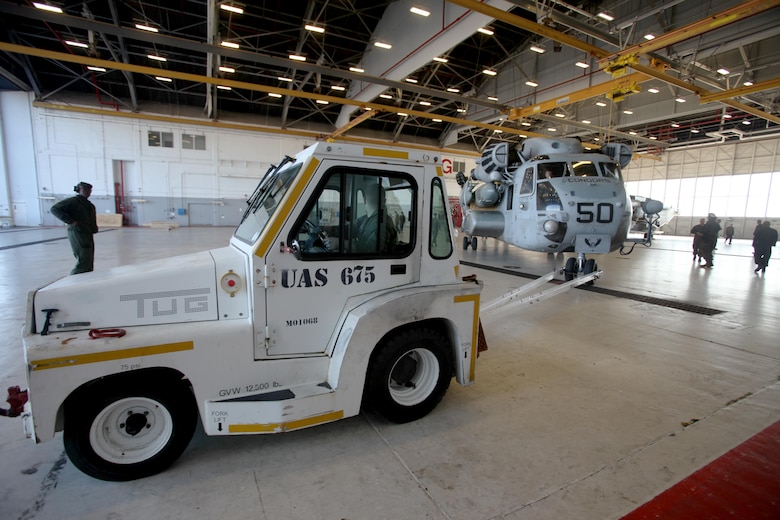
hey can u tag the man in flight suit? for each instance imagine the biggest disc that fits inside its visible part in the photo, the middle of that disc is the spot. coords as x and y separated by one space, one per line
79 214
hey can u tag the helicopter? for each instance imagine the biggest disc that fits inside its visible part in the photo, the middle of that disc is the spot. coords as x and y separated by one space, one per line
551 195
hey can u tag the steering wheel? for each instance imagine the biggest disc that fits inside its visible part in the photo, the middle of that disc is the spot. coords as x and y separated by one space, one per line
318 241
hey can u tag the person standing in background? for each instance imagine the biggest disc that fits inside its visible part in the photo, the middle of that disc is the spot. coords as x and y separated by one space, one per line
765 239
729 233
80 216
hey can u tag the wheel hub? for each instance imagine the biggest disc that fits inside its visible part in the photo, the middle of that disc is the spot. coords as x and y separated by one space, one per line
135 422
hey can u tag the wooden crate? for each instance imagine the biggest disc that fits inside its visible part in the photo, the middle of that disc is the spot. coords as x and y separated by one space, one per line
105 220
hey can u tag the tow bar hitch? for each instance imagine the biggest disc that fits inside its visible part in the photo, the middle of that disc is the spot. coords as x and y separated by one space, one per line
16 399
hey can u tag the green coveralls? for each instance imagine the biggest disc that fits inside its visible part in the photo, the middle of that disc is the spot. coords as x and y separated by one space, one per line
79 214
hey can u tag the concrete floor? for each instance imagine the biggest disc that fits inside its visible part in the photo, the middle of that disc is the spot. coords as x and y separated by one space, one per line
578 410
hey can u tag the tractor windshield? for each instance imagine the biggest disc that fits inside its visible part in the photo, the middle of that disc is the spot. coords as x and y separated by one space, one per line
265 199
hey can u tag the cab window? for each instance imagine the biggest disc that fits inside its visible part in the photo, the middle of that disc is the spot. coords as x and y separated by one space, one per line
440 242
358 213
551 170
527 186
611 170
585 169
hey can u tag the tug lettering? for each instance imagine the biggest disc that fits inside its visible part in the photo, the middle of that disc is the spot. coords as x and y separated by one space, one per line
166 303
294 278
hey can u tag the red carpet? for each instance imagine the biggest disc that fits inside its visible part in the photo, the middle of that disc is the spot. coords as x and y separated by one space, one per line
742 484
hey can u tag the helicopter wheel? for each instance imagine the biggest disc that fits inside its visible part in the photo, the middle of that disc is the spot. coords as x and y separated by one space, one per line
474 243
570 270
590 267
466 243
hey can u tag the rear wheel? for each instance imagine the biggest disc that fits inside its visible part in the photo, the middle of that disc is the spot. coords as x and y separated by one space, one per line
590 267
474 243
128 430
409 375
570 270
466 243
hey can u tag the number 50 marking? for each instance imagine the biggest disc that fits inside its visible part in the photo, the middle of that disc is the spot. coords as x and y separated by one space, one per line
604 213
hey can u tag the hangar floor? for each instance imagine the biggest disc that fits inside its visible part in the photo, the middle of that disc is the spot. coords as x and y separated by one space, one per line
586 405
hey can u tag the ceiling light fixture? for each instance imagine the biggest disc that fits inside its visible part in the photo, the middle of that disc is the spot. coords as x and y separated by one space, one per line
453 90
748 83
680 100
425 103
537 48
485 30
552 129
230 45
338 87
489 72
156 58
653 90
632 133
745 122
531 83
582 65
420 11
77 44
436 120
600 104
586 121
606 15
231 8
497 131
385 96
628 112
649 36
492 98
283 78
440 59
559 114
722 71
321 102
525 123
96 69
727 116
224 87
146 28
403 114
461 110
695 130
47 7
357 69
410 80
297 57
161 78
383 45
653 137
274 95
227 69
314 28
675 125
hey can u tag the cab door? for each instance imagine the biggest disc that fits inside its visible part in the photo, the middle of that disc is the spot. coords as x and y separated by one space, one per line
325 263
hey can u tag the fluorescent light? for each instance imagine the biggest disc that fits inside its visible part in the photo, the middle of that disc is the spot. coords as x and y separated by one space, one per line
497 131
653 137
653 90
77 44
680 100
628 112
722 71
552 129
461 110
726 116
96 69
748 83
558 114
485 30
745 122
649 36
606 15
357 69
230 45
385 96
282 78
146 27
492 98
156 58
632 133
223 87
421 12
338 87
227 69
402 114
161 78
531 83
231 8
695 130
47 7
489 72
410 80
600 104
297 57
537 48
436 120
383 45
321 102
425 103
274 94
440 59
525 123
582 65
586 121
453 89
314 28
675 125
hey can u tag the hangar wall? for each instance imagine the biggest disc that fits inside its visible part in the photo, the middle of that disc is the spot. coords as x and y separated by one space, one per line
187 174
738 181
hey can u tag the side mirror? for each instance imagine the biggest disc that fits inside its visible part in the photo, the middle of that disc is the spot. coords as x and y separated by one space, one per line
295 247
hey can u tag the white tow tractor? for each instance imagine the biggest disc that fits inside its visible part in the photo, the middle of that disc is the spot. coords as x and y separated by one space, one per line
340 288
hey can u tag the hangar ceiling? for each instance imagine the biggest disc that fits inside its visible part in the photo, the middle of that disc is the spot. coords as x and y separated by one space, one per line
683 72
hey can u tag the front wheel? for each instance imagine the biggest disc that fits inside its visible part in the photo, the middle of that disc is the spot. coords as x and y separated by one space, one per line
121 431
409 375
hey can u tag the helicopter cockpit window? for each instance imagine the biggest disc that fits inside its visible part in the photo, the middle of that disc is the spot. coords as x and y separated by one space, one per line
527 186
611 170
551 170
585 169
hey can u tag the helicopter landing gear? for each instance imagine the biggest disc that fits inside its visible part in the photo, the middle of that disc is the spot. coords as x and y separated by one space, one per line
469 241
579 266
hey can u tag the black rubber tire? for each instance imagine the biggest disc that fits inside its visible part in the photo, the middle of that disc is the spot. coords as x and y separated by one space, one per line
466 243
474 243
570 270
590 267
129 429
408 375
